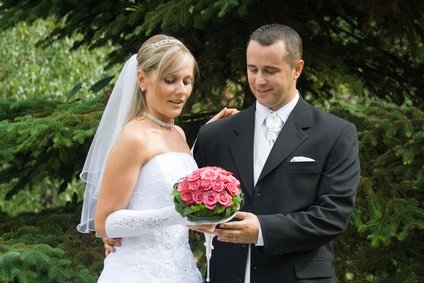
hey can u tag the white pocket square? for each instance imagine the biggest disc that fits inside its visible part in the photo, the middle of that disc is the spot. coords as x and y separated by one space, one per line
301 159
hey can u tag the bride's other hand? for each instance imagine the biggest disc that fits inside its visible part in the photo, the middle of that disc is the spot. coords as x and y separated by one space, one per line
110 245
225 112
203 228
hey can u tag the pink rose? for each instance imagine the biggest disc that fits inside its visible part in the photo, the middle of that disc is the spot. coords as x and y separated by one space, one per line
187 197
207 173
232 189
228 179
223 172
198 196
205 184
183 186
210 199
218 185
195 175
225 199
194 185
210 207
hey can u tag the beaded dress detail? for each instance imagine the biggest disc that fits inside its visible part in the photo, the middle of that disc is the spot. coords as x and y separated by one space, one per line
162 253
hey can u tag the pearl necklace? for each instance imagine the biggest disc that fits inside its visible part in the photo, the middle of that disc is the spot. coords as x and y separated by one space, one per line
158 121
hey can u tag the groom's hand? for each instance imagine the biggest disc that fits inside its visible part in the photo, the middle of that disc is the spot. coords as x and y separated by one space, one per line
110 245
243 231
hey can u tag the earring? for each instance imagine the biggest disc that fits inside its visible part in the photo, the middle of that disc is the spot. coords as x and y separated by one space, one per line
142 89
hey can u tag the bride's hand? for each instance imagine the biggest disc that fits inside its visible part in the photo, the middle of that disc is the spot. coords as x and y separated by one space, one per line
110 245
225 112
203 228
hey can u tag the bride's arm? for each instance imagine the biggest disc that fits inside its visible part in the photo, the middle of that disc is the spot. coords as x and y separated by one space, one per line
128 223
112 218
119 179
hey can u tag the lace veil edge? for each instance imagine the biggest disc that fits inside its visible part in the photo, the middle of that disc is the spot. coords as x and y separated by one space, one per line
113 120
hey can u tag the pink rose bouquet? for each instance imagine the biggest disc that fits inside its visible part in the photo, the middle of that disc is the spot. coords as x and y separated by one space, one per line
208 194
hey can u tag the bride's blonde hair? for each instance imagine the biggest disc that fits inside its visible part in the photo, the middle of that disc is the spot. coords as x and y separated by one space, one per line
162 54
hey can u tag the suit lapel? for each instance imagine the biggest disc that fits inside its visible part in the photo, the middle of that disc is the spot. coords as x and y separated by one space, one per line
290 137
242 147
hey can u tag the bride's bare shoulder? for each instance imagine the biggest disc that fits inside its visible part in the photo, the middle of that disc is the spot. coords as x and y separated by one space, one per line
180 131
135 135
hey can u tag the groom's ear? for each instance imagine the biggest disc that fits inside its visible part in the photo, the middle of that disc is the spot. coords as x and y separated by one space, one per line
297 69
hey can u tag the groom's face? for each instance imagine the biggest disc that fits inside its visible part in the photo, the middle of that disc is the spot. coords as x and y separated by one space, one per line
271 78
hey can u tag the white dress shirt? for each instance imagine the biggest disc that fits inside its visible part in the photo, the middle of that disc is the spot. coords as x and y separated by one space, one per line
261 150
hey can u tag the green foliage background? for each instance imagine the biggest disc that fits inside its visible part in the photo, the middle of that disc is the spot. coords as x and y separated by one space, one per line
364 62
30 71
34 82
46 247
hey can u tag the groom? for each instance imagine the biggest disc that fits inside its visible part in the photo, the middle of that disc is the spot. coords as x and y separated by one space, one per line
299 191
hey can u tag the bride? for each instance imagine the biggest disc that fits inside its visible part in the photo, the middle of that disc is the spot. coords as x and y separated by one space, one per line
135 158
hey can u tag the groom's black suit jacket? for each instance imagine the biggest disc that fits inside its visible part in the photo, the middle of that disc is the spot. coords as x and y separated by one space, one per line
301 206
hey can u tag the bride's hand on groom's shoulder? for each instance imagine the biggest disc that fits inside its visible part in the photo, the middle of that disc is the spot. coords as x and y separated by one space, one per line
225 112
111 245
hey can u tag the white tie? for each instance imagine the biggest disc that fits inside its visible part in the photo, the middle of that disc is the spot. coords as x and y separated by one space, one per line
274 124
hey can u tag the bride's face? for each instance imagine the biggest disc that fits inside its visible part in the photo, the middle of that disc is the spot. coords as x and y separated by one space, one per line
166 95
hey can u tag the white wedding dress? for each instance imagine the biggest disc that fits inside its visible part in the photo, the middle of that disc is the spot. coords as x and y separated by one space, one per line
162 253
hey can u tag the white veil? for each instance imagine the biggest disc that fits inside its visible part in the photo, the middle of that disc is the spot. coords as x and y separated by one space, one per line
111 124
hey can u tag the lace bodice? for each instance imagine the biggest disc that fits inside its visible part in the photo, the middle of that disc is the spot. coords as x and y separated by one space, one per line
162 252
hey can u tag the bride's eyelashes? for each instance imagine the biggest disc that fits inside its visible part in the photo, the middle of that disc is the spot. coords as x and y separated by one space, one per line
173 80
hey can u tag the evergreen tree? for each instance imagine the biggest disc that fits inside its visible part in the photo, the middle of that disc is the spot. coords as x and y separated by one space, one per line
388 218
360 44
46 247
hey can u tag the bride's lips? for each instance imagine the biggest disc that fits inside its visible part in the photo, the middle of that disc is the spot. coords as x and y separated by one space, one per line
177 101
